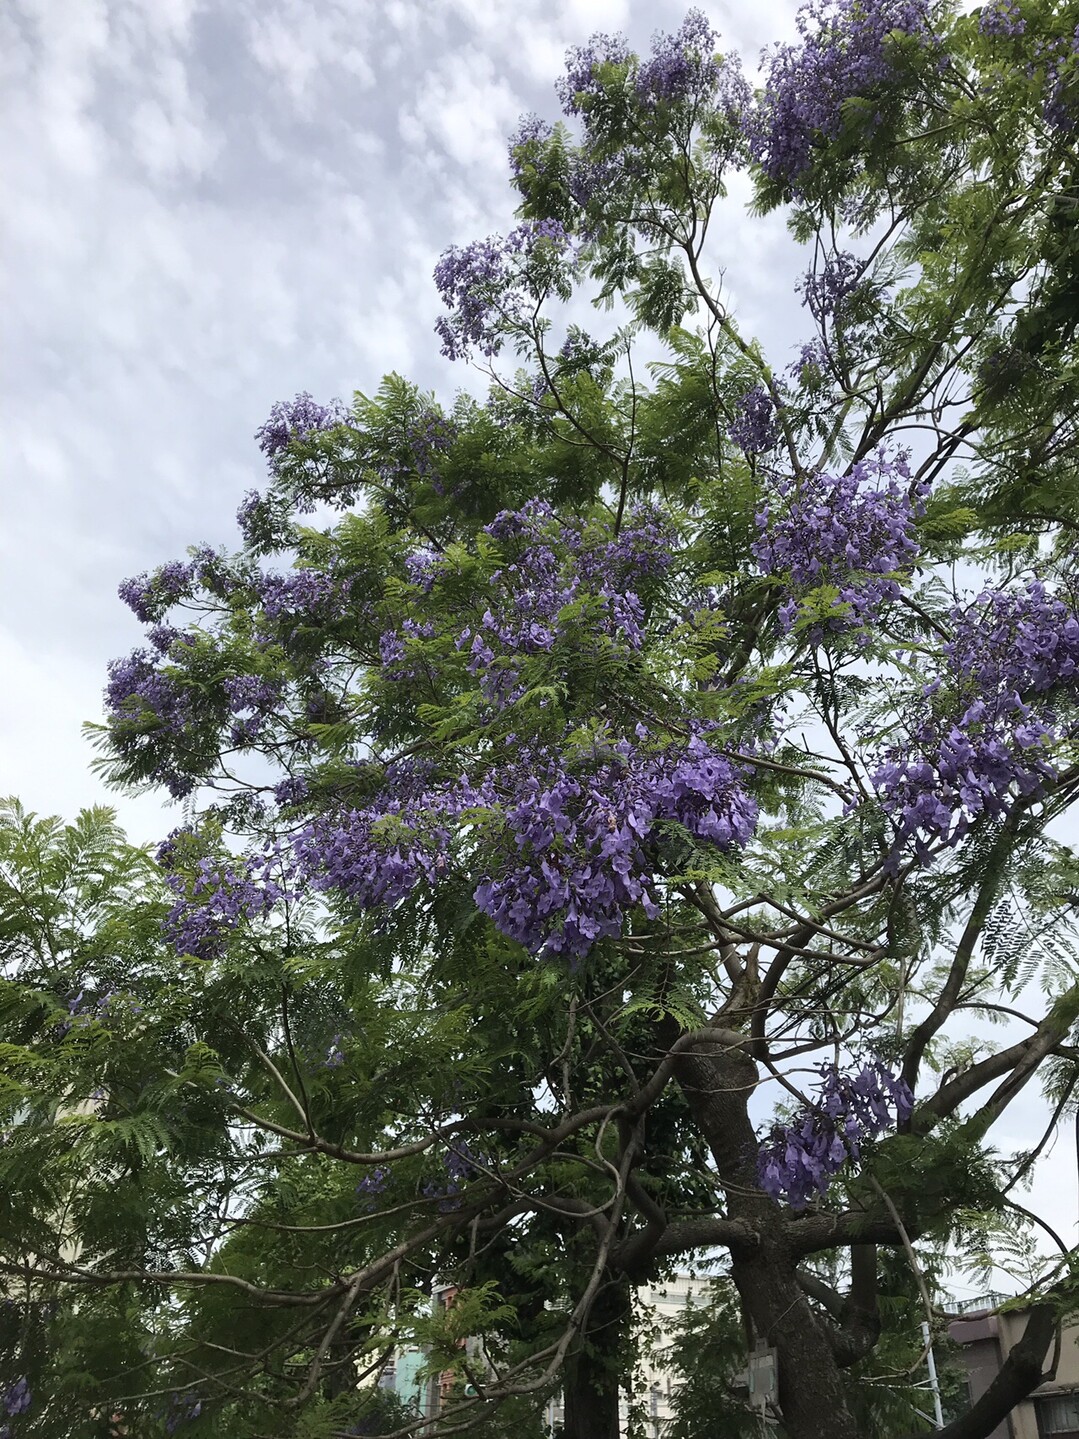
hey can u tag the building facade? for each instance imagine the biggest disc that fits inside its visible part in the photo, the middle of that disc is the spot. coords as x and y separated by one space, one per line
986 1337
653 1387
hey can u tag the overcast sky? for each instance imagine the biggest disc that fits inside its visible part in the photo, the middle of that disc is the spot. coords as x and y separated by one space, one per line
211 206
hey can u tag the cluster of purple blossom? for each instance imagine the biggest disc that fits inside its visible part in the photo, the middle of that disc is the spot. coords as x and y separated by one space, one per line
422 568
294 419
1001 18
531 134
266 520
378 854
393 648
461 1165
580 844
843 55
853 531
183 1409
293 790
220 895
754 429
84 1008
1061 58
812 362
988 722
552 565
800 1158
16 1400
141 699
428 437
376 1181
485 284
149 596
299 594
581 85
575 843
163 637
681 71
681 64
252 699
828 290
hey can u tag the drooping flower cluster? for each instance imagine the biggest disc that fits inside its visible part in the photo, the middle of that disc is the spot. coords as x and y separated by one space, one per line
1001 17
16 1400
252 700
567 847
138 689
182 1409
377 854
841 297
581 85
826 291
579 843
843 54
428 437
982 734
149 596
461 1165
298 593
376 1181
853 531
143 706
681 64
293 790
531 131
293 419
494 281
84 1008
754 429
218 896
799 1159
1060 107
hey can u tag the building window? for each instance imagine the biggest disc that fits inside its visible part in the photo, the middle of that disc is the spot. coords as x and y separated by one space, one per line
1058 1418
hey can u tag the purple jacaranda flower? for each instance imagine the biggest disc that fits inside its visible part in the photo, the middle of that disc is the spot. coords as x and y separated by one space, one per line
853 531
982 733
799 1159
294 419
754 429
844 53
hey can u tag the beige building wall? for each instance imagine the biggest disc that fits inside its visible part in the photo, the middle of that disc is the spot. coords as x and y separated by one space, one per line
1052 1411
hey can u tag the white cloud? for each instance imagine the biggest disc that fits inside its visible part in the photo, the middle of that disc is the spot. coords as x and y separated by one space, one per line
297 43
170 134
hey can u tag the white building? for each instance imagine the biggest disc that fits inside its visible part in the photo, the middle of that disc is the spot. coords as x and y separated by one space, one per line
654 1386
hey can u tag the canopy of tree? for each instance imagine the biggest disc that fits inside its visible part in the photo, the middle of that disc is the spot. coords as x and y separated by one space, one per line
614 807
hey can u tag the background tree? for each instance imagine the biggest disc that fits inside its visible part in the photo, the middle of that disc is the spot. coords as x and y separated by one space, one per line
660 742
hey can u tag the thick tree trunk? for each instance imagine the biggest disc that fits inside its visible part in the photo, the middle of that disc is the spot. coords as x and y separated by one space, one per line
717 1082
593 1368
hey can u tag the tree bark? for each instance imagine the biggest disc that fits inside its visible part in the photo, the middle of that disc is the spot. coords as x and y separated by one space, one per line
717 1081
593 1367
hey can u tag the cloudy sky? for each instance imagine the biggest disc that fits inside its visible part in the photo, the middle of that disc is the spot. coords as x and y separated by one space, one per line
210 206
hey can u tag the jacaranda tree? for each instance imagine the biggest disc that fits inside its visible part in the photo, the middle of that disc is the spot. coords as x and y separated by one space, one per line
618 806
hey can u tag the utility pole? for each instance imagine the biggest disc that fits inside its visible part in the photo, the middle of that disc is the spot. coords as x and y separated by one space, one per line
931 1365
